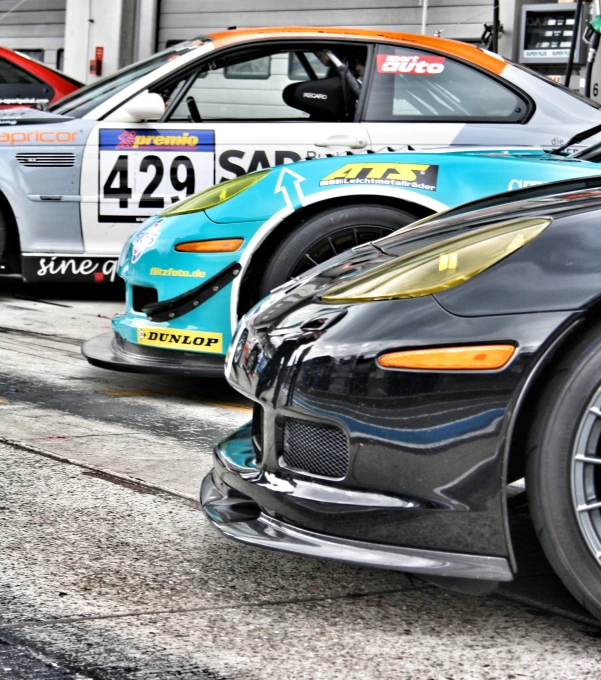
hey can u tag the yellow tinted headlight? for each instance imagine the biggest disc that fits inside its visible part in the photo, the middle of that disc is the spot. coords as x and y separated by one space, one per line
215 195
441 266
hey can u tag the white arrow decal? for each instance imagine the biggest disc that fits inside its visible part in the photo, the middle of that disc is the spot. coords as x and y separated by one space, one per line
289 182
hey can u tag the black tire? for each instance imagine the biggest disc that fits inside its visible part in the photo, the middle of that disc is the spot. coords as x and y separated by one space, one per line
345 226
561 417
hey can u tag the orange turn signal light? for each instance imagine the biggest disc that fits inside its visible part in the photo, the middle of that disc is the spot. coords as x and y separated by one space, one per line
222 245
473 358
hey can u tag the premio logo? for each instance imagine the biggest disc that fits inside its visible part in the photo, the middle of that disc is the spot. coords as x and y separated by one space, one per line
114 139
129 139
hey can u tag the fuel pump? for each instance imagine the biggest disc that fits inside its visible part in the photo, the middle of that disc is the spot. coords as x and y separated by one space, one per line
592 37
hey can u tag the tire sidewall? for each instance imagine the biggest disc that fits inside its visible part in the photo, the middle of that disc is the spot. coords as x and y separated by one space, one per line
549 472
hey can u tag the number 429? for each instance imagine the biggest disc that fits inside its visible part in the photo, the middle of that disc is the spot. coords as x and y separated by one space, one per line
119 175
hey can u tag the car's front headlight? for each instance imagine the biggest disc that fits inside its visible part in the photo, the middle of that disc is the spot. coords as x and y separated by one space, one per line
441 266
215 195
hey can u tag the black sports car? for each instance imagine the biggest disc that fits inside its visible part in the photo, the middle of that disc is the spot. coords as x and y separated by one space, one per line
402 386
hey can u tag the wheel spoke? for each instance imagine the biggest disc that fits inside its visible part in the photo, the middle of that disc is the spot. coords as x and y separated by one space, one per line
596 411
588 459
588 508
332 246
356 235
311 260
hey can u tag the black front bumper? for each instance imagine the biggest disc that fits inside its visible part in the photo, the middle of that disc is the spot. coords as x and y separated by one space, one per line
109 350
242 518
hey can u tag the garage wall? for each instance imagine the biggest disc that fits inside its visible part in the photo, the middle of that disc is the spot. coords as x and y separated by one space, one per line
182 19
34 25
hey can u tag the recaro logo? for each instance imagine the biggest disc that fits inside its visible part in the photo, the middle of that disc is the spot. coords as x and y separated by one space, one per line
314 95
38 137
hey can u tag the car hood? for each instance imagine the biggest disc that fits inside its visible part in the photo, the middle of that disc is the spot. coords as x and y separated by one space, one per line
293 303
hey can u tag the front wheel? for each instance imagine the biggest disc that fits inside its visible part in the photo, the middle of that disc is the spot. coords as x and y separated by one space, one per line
327 234
563 471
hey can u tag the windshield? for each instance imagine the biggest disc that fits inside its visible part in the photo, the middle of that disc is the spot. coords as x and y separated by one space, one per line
83 101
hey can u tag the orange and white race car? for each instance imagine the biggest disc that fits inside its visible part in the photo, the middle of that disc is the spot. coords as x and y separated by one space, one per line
77 179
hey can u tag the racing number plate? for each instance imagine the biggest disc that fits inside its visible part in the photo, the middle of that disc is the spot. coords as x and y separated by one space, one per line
144 171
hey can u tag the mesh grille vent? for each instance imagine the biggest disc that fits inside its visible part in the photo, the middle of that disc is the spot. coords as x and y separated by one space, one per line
317 449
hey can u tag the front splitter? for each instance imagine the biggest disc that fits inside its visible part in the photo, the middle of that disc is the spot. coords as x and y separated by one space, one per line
109 350
233 517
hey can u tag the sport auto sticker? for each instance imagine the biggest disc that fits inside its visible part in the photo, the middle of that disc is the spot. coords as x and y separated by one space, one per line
173 338
411 175
143 171
413 65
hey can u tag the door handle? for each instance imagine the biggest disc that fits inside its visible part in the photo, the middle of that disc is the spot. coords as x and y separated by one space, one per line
343 140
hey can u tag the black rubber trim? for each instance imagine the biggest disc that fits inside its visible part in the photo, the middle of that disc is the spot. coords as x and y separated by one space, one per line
167 310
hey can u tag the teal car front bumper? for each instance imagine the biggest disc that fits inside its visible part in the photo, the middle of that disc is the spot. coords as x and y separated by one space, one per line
176 301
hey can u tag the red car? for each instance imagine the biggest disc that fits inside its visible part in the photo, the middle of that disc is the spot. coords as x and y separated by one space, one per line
25 82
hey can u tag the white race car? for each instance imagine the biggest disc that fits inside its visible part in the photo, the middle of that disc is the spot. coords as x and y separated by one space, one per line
76 180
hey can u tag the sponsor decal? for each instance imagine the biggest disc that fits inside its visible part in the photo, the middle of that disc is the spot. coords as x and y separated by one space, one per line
143 171
196 274
235 162
522 183
23 100
38 136
69 268
195 341
314 95
411 65
144 140
409 175
144 240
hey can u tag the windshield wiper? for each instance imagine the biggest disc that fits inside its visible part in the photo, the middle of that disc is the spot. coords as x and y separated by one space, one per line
576 139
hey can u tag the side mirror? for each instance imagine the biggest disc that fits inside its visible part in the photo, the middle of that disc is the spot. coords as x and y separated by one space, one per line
145 106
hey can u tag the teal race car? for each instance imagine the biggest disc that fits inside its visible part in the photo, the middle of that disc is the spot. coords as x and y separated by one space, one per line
194 269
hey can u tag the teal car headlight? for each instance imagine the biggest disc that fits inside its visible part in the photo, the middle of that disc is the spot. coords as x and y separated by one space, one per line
215 195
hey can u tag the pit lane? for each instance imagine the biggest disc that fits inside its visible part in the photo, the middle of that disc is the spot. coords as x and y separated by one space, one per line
108 569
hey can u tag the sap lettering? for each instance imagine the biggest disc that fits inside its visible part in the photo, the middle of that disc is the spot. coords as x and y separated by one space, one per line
37 136
258 161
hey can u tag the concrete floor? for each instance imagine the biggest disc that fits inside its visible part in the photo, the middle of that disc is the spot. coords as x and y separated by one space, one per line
108 570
